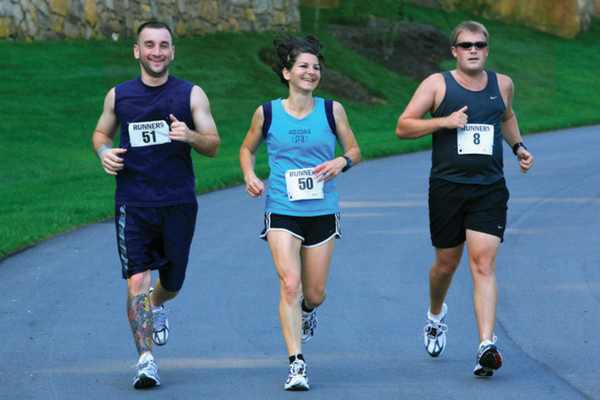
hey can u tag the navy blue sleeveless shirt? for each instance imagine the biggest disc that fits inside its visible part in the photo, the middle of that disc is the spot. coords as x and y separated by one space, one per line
486 109
157 172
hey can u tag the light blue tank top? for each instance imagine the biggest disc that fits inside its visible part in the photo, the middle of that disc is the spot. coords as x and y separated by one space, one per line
296 144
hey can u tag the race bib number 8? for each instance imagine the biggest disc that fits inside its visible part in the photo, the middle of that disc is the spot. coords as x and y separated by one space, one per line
148 133
302 185
476 139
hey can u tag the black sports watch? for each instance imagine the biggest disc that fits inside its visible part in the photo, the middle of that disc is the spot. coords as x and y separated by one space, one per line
349 165
516 146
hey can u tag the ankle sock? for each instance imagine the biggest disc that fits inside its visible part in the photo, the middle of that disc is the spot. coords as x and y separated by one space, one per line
297 356
435 318
306 309
145 357
155 309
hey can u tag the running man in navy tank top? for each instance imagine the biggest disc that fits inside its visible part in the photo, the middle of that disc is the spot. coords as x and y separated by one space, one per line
472 114
160 119
302 211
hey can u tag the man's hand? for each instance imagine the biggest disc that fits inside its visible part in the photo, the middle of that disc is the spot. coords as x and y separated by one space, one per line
111 162
458 119
525 159
180 131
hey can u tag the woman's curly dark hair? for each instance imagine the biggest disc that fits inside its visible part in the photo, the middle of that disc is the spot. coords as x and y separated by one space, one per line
289 47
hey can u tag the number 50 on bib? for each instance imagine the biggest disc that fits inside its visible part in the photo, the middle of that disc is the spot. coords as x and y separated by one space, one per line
302 185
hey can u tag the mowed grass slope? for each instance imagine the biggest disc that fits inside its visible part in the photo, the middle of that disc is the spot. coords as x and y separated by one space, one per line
53 92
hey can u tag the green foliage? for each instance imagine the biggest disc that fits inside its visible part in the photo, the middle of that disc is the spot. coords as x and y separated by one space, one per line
357 12
53 93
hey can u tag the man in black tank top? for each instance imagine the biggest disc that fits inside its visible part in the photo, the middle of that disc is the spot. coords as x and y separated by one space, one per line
472 113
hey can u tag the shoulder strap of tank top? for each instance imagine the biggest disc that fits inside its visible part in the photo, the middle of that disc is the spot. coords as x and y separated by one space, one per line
268 113
330 117
492 78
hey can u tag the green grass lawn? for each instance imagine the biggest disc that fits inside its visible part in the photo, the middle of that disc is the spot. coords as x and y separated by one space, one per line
53 92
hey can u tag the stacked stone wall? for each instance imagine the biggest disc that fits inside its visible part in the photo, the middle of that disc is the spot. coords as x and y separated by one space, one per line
84 19
560 17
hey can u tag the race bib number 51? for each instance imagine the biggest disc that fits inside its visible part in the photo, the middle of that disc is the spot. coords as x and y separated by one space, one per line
302 185
476 139
148 133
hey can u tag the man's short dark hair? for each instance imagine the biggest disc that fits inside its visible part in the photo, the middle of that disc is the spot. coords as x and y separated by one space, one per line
153 25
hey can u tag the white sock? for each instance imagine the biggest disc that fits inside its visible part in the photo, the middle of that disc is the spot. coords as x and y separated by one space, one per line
145 357
435 318
487 341
155 309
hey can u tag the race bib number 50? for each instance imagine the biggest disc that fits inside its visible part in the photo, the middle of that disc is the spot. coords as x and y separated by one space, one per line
148 133
302 185
476 139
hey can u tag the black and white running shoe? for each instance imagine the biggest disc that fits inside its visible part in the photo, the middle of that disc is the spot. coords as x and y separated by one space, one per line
297 379
488 358
309 323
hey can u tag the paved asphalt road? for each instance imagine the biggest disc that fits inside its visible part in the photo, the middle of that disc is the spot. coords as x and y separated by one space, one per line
65 334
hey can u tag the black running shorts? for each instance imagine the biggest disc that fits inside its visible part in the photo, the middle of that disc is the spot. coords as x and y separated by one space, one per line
456 207
313 231
156 238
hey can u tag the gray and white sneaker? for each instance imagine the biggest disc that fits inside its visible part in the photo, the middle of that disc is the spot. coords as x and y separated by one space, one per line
488 358
435 334
297 379
160 329
147 373
309 323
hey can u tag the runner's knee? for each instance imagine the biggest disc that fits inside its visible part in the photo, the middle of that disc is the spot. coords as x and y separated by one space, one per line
482 266
445 267
314 296
291 288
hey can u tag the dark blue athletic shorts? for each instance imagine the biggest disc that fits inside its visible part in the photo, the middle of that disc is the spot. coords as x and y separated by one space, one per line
159 238
313 231
455 207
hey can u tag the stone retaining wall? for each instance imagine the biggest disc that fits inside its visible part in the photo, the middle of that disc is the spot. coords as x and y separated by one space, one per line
560 17
84 19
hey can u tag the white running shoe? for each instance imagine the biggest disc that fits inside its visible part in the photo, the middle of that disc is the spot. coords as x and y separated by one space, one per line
297 379
488 358
160 329
147 373
435 334
309 323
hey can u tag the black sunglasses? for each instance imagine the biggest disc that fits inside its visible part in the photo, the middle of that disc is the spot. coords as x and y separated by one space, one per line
469 45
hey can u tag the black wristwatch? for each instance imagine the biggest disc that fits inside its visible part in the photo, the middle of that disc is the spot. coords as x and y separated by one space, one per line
349 165
517 145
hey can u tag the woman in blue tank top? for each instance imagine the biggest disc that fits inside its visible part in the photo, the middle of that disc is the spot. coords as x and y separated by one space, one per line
302 210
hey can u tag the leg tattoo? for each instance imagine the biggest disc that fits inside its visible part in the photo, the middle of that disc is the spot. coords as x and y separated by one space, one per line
140 319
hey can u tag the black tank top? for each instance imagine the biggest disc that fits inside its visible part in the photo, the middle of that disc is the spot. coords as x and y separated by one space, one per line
485 107
156 173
